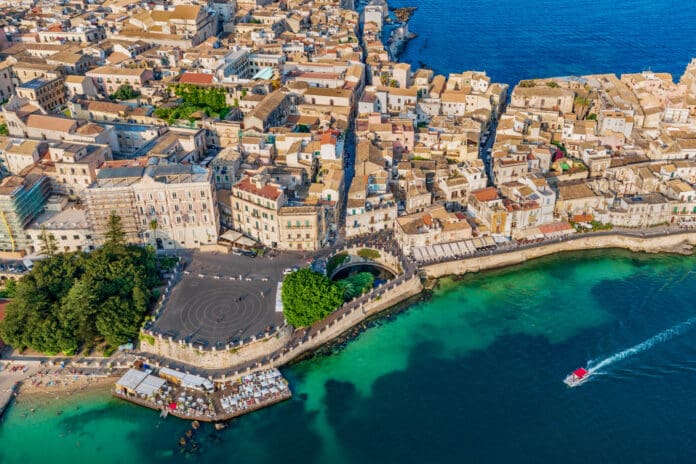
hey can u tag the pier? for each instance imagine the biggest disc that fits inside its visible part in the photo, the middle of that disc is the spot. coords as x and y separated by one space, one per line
218 403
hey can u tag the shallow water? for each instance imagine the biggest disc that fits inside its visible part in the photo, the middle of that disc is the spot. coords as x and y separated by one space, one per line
474 373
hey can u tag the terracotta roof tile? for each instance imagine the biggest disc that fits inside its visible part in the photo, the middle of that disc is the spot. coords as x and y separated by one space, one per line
196 78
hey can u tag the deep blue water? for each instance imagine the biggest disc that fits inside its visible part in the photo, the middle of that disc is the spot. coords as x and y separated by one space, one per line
521 39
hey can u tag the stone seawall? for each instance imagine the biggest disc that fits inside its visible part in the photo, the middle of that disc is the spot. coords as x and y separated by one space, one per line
406 290
276 352
333 330
676 243
216 358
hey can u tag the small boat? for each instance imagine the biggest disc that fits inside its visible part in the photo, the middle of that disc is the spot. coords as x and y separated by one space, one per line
195 424
577 377
220 426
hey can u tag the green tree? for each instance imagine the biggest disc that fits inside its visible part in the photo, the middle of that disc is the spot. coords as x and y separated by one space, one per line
10 289
153 228
73 300
124 92
335 261
308 297
356 284
4 130
115 236
48 243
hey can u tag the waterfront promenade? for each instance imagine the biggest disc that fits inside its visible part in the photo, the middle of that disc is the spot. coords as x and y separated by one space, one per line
658 240
408 284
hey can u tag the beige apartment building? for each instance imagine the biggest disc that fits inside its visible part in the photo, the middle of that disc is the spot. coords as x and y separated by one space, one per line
76 165
69 228
79 34
259 210
303 227
543 98
431 227
169 206
191 24
256 202
109 78
364 218
48 93
18 156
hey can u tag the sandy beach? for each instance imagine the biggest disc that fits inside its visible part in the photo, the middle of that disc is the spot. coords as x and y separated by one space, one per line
42 384
57 386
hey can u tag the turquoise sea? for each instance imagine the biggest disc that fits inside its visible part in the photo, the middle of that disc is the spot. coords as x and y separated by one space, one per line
472 375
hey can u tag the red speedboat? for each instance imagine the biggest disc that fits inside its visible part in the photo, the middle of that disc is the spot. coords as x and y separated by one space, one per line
577 377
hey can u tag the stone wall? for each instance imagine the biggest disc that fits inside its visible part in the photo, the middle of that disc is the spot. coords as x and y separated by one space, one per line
276 352
666 243
389 261
212 358
374 305
380 301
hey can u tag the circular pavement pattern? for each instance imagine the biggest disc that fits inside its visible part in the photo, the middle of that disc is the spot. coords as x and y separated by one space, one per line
208 311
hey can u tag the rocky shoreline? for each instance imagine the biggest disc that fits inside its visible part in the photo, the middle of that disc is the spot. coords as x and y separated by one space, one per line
403 14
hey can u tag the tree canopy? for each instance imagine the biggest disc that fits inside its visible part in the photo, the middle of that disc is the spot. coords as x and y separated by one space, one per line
73 300
212 101
356 284
308 297
124 92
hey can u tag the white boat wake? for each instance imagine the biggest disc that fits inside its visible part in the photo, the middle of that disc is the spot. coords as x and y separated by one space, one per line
646 345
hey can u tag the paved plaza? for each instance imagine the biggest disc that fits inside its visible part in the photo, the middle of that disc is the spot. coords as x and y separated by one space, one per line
224 298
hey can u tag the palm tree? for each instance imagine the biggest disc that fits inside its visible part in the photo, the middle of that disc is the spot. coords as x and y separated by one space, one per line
153 228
